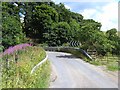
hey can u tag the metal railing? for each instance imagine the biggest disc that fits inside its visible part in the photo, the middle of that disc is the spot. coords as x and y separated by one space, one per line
68 49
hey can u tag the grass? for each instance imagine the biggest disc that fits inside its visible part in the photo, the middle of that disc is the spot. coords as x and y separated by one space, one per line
97 63
17 74
113 67
110 61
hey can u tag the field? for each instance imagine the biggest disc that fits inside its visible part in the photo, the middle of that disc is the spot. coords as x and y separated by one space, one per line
110 61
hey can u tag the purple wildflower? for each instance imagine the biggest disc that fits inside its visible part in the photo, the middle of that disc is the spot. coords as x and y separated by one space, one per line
11 49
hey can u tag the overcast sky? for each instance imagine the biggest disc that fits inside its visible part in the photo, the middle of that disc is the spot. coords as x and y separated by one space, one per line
104 11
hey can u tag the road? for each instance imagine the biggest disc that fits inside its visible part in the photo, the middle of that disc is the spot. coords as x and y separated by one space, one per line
71 72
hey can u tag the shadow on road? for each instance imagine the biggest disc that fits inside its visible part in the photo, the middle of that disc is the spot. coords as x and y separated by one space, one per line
66 56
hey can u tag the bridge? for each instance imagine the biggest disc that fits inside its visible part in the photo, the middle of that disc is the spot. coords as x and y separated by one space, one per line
71 50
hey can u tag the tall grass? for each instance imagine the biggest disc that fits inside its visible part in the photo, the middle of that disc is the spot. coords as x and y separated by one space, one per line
110 61
17 67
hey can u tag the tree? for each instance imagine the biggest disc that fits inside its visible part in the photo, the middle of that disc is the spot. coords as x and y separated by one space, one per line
59 34
11 32
112 35
77 17
27 9
64 14
95 39
42 19
11 26
102 44
90 24
9 8
87 30
75 27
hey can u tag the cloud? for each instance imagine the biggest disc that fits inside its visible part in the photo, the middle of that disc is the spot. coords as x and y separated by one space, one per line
67 7
107 15
104 11
89 13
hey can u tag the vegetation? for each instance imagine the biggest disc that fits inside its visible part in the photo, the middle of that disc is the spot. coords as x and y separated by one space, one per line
110 61
17 66
54 25
11 27
50 24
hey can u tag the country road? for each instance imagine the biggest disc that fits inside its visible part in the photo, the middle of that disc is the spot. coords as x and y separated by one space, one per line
71 72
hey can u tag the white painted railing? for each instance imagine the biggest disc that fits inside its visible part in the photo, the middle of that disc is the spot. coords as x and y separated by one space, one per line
40 63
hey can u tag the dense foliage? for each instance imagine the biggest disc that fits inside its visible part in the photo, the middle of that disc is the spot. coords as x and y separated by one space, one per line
12 32
54 25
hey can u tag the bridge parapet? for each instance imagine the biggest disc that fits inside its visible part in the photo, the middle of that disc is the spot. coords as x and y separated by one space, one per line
72 50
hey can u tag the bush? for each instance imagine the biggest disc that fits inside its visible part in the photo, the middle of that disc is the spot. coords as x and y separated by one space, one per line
12 33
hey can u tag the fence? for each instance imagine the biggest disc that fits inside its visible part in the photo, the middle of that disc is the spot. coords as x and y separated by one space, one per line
92 53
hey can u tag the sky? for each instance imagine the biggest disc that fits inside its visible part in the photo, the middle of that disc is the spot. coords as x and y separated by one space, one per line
103 11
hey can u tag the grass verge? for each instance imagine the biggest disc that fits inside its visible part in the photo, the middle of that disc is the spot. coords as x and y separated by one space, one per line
110 61
17 68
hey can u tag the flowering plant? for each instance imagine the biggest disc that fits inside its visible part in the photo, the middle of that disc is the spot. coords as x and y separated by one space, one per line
12 49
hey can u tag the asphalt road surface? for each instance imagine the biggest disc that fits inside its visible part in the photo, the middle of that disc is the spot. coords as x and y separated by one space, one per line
71 72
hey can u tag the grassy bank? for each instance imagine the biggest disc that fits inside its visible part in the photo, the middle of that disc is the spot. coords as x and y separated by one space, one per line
110 61
18 65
